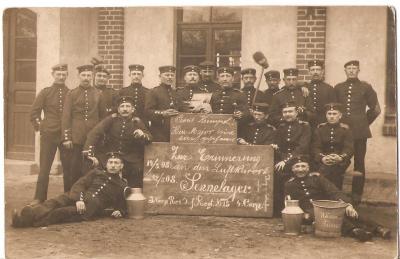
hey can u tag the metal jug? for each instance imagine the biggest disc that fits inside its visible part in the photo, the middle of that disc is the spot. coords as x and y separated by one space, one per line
292 216
135 203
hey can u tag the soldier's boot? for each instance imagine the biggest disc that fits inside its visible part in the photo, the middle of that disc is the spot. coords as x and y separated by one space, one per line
361 234
383 232
59 215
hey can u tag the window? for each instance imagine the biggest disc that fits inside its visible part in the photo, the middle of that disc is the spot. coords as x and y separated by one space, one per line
209 33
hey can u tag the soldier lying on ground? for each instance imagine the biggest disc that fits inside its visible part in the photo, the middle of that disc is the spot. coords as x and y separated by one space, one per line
306 186
86 200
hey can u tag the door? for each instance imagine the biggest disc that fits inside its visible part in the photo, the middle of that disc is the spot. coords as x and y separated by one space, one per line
19 81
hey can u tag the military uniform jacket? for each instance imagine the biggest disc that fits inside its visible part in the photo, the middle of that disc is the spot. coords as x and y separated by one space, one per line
321 93
226 101
258 134
249 93
293 139
207 87
107 101
118 133
184 95
356 95
312 187
296 95
100 190
81 114
50 100
268 94
332 139
138 92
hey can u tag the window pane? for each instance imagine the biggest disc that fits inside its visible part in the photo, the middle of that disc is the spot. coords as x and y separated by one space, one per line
196 14
189 61
25 71
194 42
227 61
227 42
25 48
26 23
226 14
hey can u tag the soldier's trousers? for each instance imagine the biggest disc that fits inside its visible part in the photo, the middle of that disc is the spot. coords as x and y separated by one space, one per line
133 173
360 149
334 173
75 160
280 178
49 143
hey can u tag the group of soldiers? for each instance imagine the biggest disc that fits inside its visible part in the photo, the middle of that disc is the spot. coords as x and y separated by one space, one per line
90 125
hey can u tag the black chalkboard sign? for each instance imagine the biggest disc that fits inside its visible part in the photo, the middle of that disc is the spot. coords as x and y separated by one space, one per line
203 128
209 179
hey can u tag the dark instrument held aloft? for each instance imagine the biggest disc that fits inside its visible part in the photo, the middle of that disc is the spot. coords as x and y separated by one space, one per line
261 60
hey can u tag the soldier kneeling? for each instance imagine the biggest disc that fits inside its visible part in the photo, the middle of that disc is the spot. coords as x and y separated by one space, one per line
306 186
87 199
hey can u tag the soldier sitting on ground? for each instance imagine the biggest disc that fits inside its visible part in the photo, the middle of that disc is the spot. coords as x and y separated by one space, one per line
306 187
87 199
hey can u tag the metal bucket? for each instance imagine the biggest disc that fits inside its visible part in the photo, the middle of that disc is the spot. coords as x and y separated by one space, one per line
329 217
136 203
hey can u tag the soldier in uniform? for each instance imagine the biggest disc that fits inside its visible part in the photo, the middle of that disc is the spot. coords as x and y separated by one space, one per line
291 92
332 145
107 93
80 115
50 100
272 78
228 100
124 133
258 132
321 92
356 96
207 74
293 138
86 200
306 186
161 104
249 78
136 90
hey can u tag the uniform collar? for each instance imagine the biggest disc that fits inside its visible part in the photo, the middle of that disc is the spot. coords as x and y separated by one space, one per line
247 88
101 87
353 80
135 85
316 81
166 86
58 85
253 123
85 87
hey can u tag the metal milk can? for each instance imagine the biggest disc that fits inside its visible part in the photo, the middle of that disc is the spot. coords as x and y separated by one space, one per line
292 216
135 203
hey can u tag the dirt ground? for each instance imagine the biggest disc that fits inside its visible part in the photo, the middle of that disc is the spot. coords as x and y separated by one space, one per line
176 236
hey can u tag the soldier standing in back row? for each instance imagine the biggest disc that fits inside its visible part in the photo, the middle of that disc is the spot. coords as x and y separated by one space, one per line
291 92
80 115
249 78
108 93
207 74
161 104
272 78
356 96
321 93
50 100
136 90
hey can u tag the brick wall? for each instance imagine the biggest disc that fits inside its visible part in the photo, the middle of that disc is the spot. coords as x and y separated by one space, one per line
311 34
111 42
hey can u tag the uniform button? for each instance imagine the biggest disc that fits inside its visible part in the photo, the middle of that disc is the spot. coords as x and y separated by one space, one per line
222 100
307 193
223 92
256 133
93 195
302 181
288 139
109 178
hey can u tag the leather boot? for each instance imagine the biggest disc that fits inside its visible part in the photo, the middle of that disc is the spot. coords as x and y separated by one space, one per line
361 234
383 232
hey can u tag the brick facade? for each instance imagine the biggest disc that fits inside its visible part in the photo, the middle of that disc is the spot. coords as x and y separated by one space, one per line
110 26
311 34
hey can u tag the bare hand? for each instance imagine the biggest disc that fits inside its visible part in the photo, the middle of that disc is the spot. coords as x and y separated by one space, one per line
305 91
274 146
238 114
138 133
351 212
280 165
241 141
80 207
327 160
116 214
68 144
95 161
170 112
